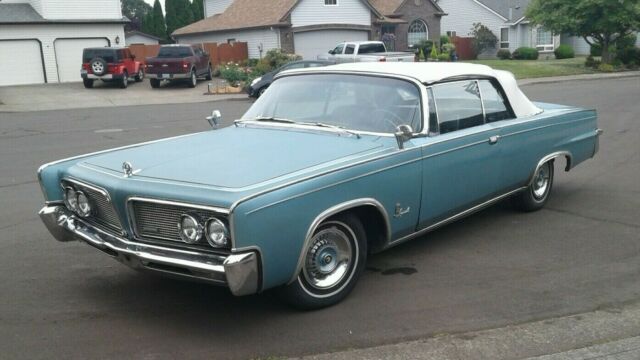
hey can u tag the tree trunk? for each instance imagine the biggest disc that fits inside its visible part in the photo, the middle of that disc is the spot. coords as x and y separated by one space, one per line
606 55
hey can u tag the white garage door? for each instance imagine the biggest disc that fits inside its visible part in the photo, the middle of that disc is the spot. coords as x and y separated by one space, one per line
310 44
69 56
20 62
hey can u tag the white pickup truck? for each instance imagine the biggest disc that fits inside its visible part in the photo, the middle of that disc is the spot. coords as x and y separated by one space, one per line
365 51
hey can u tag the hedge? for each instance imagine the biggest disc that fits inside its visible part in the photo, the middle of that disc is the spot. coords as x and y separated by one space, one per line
526 53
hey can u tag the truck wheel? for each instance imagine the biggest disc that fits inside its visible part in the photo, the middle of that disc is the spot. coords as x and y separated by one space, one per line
193 80
88 83
332 262
125 80
536 195
140 75
155 83
209 73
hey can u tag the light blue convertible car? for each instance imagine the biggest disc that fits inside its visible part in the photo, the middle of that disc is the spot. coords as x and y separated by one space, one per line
330 165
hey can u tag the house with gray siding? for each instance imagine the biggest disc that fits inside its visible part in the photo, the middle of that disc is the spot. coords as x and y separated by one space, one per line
505 18
312 27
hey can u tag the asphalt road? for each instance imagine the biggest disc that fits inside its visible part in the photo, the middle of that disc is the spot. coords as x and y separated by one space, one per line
494 268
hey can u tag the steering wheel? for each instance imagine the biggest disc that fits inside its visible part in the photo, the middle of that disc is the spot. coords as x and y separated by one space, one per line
386 118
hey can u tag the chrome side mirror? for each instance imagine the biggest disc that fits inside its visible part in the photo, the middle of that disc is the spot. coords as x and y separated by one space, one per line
403 134
214 119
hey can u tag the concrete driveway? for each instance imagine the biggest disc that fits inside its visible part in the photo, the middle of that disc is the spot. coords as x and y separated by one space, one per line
75 96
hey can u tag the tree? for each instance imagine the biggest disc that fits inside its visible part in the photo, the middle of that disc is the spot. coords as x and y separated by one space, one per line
179 14
136 11
599 22
483 38
198 10
153 22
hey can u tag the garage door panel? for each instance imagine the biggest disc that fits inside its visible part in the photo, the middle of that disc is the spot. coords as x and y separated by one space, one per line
310 44
69 56
21 62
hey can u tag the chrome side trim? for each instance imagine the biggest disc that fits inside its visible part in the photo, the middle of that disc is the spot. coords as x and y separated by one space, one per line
551 156
453 218
335 210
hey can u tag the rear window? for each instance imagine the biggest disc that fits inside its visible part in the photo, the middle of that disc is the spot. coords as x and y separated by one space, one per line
109 55
371 48
174 52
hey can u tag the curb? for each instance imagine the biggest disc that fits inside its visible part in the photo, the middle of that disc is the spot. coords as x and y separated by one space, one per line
556 79
613 326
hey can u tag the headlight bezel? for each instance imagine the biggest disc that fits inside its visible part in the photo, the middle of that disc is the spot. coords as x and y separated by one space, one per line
79 210
197 227
217 242
70 199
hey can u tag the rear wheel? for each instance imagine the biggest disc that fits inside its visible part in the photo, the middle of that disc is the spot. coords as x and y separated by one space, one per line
193 80
88 83
332 262
536 195
209 73
125 80
155 83
140 75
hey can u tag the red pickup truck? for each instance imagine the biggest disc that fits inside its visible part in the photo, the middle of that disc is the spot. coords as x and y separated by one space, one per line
179 62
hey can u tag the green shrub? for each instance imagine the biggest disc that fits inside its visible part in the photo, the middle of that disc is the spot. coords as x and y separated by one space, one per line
444 39
564 52
252 62
626 51
434 52
425 46
504 54
421 55
605 67
276 58
233 74
444 57
526 53
449 48
596 50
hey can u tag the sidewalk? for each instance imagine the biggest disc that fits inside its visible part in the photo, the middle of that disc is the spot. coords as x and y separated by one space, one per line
608 333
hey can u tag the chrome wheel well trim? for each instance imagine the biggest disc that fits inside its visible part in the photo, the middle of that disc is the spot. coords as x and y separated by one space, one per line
334 210
566 154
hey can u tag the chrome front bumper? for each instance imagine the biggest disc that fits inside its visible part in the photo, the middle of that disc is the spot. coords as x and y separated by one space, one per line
237 271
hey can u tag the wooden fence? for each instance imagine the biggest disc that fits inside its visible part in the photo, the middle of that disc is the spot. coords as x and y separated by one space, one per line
464 48
219 53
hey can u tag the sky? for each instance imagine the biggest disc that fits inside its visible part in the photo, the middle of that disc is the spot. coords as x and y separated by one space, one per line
150 2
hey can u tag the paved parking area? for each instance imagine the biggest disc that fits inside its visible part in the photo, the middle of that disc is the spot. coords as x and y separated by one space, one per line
495 268
75 96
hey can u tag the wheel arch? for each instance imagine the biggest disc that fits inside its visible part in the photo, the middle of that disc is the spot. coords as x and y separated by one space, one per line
365 209
553 156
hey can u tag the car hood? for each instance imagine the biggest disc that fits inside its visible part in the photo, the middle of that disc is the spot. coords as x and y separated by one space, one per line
240 157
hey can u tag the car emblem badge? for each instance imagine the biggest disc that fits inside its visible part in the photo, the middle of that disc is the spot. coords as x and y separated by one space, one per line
127 168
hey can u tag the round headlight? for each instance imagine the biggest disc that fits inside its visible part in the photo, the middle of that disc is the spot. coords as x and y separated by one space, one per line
217 233
190 229
83 204
70 199
256 80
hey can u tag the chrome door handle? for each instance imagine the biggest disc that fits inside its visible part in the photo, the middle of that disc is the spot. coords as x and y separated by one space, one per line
494 139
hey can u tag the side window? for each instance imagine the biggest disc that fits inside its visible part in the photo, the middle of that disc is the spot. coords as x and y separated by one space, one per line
459 105
495 107
350 50
338 49
433 116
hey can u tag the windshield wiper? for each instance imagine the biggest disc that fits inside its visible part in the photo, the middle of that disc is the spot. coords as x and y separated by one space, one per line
321 124
272 119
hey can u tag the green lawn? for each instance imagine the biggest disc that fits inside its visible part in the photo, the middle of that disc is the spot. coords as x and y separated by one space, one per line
524 69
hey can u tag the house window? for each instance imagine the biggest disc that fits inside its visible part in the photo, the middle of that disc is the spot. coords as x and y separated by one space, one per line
504 38
417 32
231 41
331 2
544 40
451 34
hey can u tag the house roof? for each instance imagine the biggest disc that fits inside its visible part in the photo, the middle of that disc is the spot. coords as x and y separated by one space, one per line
25 14
243 14
140 33
501 7
389 7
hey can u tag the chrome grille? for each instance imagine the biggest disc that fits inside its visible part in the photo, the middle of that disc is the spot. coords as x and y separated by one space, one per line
104 215
155 220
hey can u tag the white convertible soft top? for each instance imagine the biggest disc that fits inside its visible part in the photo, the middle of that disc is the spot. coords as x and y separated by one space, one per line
431 72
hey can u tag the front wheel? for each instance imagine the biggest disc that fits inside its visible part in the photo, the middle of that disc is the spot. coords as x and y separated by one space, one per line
332 262
140 75
536 195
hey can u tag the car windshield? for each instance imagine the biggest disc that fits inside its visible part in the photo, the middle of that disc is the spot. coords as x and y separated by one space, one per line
355 102
174 52
109 55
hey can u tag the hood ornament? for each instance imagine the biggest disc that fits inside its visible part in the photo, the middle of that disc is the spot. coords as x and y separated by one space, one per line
127 168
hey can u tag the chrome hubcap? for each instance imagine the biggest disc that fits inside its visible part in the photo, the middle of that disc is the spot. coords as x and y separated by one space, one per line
328 259
541 181
97 67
